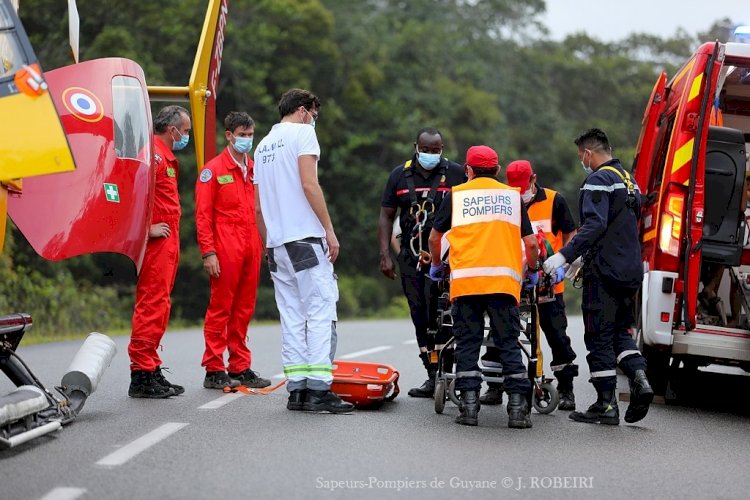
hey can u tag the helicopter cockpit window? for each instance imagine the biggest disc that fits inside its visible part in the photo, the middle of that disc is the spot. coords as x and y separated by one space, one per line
5 21
11 57
130 118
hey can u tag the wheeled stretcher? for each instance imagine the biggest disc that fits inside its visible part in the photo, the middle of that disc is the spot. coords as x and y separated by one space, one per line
545 397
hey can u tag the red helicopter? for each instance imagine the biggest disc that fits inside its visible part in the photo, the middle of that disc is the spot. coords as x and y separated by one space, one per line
88 188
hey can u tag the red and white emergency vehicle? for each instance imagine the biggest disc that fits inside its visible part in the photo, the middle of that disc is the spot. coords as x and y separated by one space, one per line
691 165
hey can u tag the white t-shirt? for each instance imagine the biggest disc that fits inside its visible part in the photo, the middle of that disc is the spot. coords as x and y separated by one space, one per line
287 214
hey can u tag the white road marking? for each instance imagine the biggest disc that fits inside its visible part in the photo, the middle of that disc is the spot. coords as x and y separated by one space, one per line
64 493
219 402
409 342
365 352
140 445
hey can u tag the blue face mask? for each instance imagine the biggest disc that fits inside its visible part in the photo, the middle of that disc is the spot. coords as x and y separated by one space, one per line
243 144
312 122
178 145
428 160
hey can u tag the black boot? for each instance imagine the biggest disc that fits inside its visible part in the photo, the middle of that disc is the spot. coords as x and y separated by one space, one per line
567 398
249 378
519 411
493 395
641 395
219 380
469 408
296 400
325 402
427 390
159 377
144 385
604 411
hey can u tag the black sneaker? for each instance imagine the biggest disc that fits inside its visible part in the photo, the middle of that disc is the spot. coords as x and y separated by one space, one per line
325 402
296 400
143 385
249 378
159 377
567 400
219 380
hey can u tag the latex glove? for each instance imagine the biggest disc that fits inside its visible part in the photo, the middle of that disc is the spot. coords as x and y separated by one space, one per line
437 272
532 279
573 268
557 260
558 275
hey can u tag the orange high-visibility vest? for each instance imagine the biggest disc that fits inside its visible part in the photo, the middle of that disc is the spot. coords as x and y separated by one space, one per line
485 251
540 214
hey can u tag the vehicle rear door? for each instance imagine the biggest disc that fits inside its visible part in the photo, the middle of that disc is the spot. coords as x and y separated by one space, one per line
687 160
643 165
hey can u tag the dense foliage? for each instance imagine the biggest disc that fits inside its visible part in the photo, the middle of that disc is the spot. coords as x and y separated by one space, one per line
482 71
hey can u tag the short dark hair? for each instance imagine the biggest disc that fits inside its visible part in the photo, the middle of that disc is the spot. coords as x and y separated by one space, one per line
485 171
428 131
593 138
169 116
237 119
294 98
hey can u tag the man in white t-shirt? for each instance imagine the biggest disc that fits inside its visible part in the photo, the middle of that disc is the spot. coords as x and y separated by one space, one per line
301 245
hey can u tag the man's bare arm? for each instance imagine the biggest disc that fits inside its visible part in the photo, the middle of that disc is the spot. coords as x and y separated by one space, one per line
308 173
259 218
532 251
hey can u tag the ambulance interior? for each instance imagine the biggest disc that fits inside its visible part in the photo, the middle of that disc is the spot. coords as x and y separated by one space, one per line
724 294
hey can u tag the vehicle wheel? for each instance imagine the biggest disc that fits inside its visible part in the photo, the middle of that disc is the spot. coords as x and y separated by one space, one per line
657 369
439 395
452 394
547 402
683 381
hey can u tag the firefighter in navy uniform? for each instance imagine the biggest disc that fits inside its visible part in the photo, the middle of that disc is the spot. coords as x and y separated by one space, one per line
549 212
607 251
416 189
488 224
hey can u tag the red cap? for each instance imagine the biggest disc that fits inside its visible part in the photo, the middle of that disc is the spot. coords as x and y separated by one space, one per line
518 173
481 157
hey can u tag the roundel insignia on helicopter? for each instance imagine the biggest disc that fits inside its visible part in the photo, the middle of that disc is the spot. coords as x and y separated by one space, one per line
83 104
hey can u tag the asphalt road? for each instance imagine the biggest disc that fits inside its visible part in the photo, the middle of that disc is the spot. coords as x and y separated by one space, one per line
207 445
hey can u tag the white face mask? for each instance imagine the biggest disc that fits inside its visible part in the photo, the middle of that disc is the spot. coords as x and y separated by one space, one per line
527 196
588 168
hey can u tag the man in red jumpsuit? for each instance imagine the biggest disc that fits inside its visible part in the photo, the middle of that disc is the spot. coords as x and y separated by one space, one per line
230 245
156 279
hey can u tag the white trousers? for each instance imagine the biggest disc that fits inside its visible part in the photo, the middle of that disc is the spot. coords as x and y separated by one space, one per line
306 295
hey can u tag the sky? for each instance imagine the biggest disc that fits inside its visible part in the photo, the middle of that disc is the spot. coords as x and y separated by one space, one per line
610 20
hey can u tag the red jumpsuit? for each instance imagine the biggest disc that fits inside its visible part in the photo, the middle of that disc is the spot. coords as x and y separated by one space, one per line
156 280
225 221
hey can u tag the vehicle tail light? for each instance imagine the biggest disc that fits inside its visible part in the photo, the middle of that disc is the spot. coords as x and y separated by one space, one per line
671 224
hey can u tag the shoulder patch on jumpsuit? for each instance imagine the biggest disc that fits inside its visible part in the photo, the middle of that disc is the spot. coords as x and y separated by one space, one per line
206 175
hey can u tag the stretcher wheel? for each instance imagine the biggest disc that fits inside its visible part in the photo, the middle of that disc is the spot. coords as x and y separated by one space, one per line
452 393
439 395
547 401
